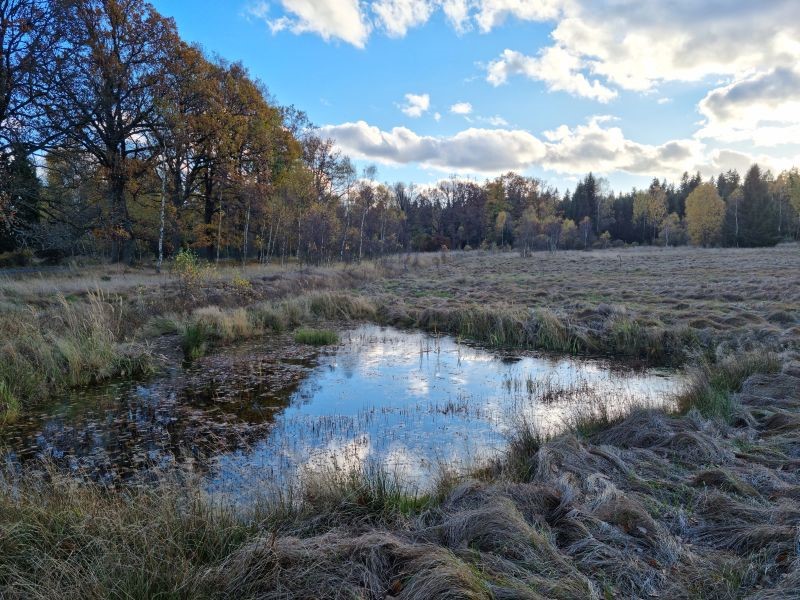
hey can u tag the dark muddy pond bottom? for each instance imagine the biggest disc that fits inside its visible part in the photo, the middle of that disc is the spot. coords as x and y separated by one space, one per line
268 411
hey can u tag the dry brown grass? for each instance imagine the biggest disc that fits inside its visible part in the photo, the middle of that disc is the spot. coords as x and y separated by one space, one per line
629 299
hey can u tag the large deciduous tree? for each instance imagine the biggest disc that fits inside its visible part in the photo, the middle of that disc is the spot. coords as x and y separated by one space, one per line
649 210
28 38
109 74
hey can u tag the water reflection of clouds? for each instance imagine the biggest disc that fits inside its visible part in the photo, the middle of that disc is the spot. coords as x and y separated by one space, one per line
471 398
409 466
418 385
339 455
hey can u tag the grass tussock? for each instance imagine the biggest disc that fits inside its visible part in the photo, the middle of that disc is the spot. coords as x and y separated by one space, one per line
210 326
195 338
342 307
61 539
77 346
352 494
9 405
316 337
713 384
555 335
524 444
503 326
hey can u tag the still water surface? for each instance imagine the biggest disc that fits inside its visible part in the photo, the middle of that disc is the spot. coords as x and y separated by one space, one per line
267 411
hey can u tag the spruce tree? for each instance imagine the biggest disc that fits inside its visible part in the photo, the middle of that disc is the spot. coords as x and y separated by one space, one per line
757 214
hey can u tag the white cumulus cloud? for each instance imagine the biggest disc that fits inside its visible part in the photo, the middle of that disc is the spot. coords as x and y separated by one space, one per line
598 147
491 13
472 150
330 19
763 108
495 120
398 16
416 105
457 13
637 44
558 68
461 108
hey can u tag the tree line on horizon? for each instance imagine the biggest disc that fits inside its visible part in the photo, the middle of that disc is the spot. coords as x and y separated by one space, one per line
119 140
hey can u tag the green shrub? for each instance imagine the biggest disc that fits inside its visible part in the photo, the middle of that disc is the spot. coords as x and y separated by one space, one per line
241 285
190 272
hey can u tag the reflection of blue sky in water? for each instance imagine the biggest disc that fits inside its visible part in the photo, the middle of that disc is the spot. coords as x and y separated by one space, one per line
410 401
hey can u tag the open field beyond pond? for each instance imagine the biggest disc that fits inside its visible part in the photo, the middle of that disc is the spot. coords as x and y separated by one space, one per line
702 501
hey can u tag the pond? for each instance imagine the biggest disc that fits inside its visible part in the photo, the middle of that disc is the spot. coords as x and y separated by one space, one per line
266 411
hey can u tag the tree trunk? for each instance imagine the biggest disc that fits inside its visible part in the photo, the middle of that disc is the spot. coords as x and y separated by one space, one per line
246 232
298 237
361 235
209 210
219 232
161 223
346 227
118 220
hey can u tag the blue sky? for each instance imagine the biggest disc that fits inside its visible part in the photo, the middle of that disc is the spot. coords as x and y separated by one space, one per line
552 88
